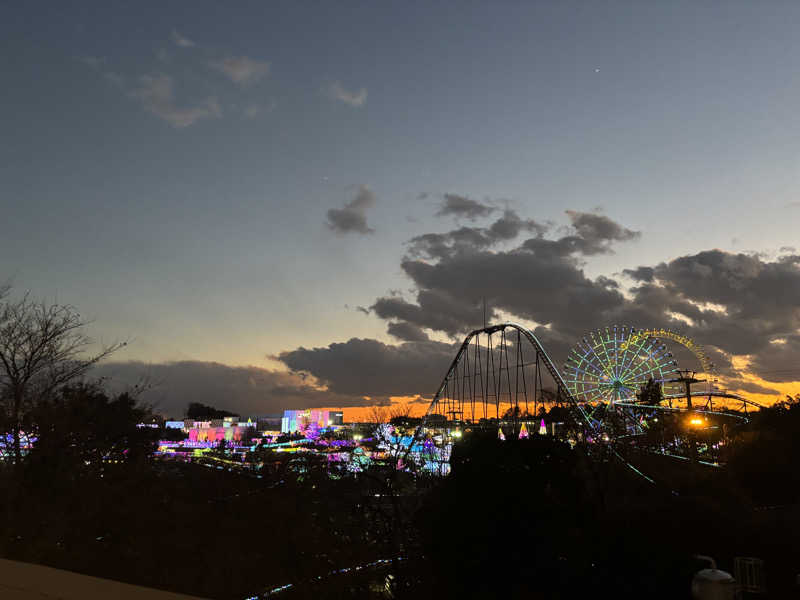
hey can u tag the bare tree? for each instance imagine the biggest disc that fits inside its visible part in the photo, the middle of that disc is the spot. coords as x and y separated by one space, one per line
377 416
42 347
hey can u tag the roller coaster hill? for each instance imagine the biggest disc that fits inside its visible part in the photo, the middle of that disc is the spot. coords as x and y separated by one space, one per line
620 394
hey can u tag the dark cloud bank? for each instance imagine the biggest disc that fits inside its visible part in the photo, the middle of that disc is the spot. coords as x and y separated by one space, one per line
250 390
737 304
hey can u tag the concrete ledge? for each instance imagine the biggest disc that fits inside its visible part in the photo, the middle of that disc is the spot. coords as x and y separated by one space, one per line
26 581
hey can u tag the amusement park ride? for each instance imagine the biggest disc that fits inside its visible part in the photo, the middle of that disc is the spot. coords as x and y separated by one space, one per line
621 386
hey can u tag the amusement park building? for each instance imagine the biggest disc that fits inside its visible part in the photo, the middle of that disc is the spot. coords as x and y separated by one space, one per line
300 420
230 429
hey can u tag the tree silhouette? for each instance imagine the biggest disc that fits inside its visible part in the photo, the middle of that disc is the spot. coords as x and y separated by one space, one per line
196 410
42 347
83 431
650 393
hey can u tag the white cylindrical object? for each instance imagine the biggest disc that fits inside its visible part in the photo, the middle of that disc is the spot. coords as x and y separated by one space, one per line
713 584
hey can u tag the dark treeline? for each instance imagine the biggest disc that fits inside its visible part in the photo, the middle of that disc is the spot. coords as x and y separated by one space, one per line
527 518
197 410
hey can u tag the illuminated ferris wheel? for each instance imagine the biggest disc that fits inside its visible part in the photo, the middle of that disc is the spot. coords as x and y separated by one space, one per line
612 364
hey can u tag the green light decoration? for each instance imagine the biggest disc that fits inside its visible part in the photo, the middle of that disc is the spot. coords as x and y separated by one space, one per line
612 364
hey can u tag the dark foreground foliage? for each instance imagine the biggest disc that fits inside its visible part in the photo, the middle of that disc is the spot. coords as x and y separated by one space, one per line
534 519
517 519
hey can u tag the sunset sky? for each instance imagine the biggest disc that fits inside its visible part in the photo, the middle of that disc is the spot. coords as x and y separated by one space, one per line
300 204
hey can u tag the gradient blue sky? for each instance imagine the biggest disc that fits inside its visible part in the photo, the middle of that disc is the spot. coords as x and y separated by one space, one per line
208 241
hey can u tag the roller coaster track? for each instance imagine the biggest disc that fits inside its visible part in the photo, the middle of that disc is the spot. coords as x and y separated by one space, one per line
563 393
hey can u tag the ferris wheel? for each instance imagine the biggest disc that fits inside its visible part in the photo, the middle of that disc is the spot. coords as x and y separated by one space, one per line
612 364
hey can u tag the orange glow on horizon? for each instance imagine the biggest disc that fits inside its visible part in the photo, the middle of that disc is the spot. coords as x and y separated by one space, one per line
417 408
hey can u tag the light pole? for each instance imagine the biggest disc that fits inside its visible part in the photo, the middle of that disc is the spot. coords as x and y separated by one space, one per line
687 378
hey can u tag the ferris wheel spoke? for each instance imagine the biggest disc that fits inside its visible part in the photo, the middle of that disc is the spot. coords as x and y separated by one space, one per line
651 364
609 360
627 362
594 392
584 361
591 375
605 366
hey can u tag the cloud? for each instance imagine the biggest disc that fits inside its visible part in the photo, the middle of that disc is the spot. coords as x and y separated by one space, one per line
246 390
408 332
737 302
370 367
510 225
540 280
466 239
645 274
596 232
156 94
355 98
353 217
778 361
241 70
734 304
180 40
461 206
252 110
758 297
95 62
742 385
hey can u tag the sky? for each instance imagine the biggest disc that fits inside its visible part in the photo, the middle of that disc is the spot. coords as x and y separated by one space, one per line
293 204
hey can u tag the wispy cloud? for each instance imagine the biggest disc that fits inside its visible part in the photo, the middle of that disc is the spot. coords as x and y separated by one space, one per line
241 70
95 62
251 111
157 96
180 40
354 98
